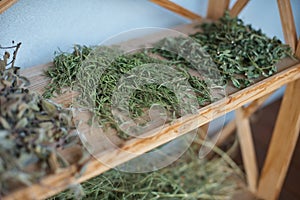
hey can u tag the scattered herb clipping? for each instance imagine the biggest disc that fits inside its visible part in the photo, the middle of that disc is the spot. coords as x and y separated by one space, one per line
31 131
66 68
189 178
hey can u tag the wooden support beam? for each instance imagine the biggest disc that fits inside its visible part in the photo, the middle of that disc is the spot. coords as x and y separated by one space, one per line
225 133
249 110
282 144
297 53
287 22
238 7
5 4
247 149
202 131
217 8
177 9
231 126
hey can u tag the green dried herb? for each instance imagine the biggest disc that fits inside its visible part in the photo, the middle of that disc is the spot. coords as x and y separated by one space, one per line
101 97
64 70
241 53
189 178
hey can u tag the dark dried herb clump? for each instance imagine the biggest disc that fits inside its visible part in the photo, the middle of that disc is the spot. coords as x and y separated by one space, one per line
31 130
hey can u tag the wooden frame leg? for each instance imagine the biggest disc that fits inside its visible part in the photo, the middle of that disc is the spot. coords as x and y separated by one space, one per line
282 144
238 7
231 126
247 149
177 9
217 8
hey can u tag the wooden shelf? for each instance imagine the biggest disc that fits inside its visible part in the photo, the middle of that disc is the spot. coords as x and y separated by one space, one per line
288 71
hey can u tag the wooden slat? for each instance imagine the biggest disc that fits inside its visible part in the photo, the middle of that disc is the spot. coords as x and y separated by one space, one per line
247 149
297 53
202 131
231 126
217 8
177 9
249 110
282 144
225 133
238 7
287 22
5 4
113 157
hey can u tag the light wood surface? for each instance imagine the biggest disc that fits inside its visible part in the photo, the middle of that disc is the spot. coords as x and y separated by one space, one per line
287 22
177 9
287 127
282 144
247 148
238 7
216 8
5 4
298 48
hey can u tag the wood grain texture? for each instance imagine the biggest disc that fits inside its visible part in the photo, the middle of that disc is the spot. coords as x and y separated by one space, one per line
177 9
238 7
247 148
5 4
217 8
288 23
282 144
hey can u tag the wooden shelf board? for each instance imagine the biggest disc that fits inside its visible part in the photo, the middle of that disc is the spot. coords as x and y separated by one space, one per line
114 156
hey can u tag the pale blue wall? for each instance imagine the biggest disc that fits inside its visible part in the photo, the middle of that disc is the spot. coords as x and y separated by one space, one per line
43 26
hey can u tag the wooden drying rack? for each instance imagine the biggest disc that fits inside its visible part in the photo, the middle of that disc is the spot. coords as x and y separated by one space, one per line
268 184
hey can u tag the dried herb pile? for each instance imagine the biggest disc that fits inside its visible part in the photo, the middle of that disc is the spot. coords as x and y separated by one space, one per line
31 131
241 53
189 178
65 70
107 80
